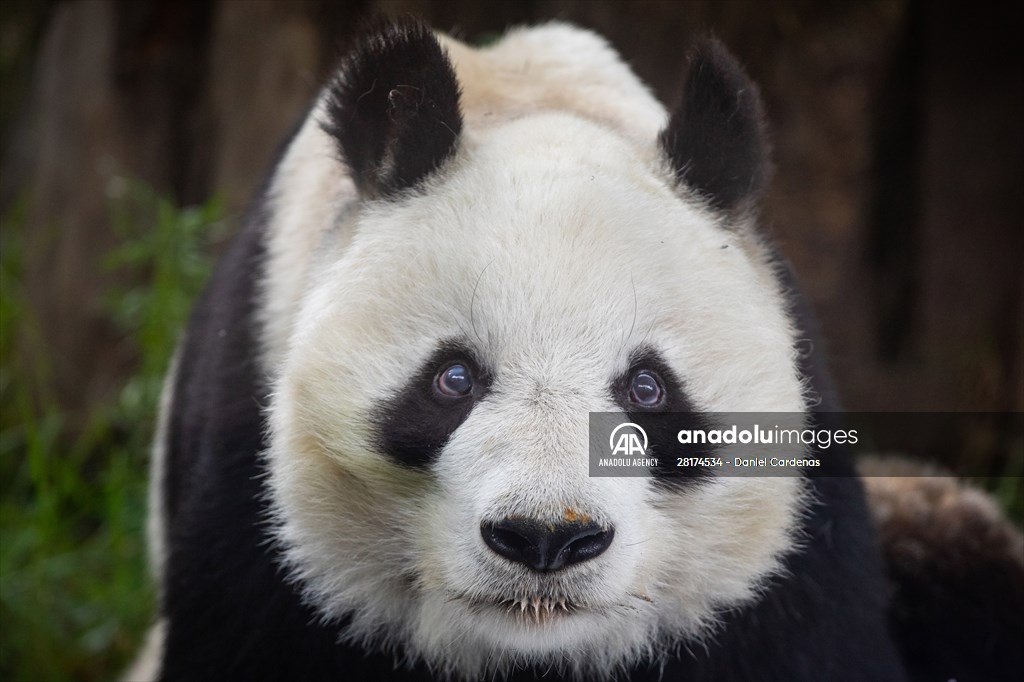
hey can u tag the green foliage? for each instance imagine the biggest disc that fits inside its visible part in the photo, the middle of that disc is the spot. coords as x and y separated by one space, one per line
171 263
75 598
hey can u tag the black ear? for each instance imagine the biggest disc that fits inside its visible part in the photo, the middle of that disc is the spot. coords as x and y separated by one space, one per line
394 108
716 139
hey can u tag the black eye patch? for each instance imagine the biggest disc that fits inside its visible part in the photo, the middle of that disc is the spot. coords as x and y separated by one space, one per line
654 397
417 421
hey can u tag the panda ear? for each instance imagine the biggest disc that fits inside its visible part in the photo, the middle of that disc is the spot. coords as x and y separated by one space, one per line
716 139
393 109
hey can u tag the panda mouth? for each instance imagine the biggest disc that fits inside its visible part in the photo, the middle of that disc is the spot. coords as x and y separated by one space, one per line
534 609
539 609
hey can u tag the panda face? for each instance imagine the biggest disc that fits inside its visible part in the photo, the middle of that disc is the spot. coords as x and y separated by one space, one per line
442 380
429 427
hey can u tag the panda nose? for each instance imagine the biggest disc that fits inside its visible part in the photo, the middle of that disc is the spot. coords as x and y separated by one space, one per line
546 546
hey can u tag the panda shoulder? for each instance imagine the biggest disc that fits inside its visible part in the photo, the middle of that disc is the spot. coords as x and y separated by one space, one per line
924 512
955 566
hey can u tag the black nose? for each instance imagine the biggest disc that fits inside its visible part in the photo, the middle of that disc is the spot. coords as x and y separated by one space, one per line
546 546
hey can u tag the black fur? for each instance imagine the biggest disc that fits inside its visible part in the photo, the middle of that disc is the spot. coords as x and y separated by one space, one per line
416 423
957 580
394 109
957 615
716 139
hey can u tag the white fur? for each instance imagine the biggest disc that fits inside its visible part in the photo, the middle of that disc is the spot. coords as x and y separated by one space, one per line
309 189
156 524
146 666
554 67
555 243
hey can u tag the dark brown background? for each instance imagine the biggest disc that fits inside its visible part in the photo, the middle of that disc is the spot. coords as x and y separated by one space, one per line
898 128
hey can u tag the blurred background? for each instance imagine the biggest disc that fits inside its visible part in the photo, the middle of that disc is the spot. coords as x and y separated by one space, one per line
133 133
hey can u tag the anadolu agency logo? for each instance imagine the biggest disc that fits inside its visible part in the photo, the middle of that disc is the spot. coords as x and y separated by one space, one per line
626 443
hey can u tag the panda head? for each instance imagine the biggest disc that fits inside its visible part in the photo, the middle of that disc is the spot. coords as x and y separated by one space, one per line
489 287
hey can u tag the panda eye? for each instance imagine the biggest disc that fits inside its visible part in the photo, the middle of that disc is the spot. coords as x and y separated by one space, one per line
645 390
454 381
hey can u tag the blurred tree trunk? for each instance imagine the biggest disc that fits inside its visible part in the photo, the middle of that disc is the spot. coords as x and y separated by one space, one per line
113 94
911 253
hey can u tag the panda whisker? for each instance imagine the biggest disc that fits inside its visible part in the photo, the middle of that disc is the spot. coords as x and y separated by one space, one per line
641 597
632 325
472 301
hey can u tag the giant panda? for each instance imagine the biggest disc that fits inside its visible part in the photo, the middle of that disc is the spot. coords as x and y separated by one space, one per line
371 461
